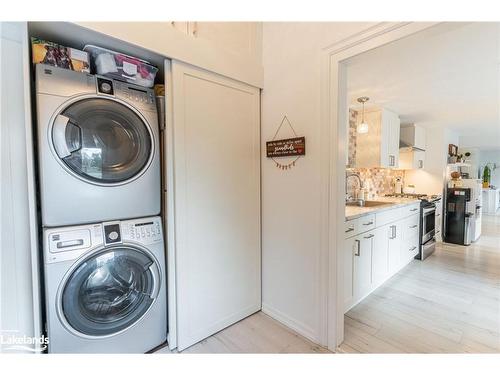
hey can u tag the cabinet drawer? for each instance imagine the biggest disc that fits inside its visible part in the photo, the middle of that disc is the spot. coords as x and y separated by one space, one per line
366 223
350 228
389 216
411 227
411 210
360 225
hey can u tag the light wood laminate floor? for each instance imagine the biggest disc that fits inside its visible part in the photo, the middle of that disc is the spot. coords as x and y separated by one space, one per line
258 333
450 303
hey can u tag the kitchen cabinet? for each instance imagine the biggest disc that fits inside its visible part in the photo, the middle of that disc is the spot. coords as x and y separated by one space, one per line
362 263
393 249
216 161
373 255
380 146
350 247
380 253
411 159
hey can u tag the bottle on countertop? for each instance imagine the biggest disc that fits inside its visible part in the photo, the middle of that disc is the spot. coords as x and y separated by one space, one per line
398 187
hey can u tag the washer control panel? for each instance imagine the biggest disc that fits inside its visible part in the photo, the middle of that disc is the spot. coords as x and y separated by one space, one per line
145 231
140 97
68 243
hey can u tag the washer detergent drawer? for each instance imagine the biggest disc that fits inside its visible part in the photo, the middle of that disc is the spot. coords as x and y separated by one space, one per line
69 240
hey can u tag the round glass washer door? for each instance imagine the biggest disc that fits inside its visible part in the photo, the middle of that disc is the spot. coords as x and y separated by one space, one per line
102 141
110 291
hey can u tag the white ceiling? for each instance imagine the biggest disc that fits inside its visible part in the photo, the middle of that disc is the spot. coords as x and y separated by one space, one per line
446 76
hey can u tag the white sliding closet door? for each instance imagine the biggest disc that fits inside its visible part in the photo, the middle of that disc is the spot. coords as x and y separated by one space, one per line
216 131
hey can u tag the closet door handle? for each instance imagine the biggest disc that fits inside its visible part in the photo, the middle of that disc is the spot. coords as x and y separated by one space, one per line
358 248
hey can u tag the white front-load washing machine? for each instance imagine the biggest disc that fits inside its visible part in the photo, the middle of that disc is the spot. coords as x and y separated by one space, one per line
98 148
105 287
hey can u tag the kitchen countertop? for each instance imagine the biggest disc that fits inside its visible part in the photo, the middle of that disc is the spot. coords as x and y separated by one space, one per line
353 212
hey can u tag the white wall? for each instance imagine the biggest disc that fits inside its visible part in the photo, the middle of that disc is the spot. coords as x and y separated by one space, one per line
491 156
291 290
430 179
16 268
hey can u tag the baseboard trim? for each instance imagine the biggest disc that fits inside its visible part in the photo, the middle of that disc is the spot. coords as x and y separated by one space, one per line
291 323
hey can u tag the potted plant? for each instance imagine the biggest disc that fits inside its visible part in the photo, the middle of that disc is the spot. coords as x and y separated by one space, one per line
486 176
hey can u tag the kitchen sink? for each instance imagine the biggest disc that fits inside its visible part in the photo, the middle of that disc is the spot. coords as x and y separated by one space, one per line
367 203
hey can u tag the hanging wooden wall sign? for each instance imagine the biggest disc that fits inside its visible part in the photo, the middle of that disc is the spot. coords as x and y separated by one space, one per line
288 147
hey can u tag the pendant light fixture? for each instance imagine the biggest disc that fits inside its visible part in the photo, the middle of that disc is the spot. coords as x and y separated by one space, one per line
363 126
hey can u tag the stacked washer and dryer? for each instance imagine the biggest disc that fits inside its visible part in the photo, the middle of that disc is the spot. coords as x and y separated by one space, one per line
103 250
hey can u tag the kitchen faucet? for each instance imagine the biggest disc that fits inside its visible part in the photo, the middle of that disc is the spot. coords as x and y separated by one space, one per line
356 175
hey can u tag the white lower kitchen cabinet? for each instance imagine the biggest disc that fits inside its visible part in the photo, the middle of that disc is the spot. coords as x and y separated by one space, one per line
380 254
351 246
393 249
373 256
362 264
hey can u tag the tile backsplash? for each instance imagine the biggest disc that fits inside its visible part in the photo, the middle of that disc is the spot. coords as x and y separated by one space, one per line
378 181
351 138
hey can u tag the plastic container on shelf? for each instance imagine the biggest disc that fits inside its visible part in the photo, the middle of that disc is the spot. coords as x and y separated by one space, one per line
121 67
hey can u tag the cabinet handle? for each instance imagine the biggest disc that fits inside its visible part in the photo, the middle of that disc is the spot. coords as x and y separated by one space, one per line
414 209
437 215
420 164
413 248
349 229
369 236
393 232
358 250
369 223
414 226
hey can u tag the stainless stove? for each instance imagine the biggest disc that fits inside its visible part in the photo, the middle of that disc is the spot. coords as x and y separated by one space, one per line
427 240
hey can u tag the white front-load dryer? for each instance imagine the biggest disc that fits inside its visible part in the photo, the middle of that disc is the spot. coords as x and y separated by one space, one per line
105 287
98 148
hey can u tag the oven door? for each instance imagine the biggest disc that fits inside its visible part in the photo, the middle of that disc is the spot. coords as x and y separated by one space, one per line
428 222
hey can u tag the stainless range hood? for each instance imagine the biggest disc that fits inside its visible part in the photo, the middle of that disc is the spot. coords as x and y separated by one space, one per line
412 138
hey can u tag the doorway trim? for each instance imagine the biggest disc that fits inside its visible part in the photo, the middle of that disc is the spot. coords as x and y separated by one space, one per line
334 153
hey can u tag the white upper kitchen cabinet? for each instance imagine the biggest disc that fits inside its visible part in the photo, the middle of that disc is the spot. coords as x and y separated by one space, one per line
379 147
411 159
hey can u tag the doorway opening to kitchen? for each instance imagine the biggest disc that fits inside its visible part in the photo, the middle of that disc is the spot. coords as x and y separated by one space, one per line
418 124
